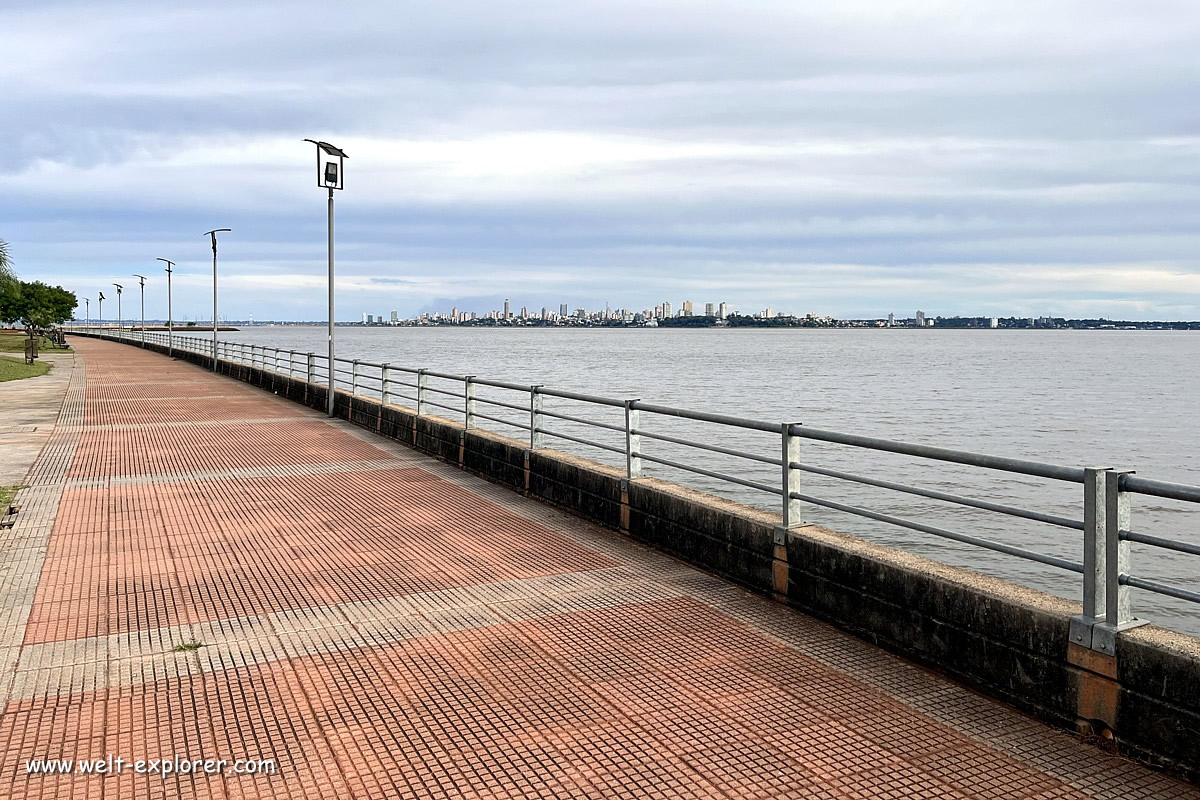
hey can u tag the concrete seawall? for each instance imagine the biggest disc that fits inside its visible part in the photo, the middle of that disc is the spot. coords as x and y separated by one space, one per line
1002 639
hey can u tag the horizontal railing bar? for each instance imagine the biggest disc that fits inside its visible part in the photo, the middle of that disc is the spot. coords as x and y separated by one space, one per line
459 395
1168 544
456 410
516 387
513 406
703 416
987 544
762 487
582 421
1004 463
710 447
1036 516
1159 588
361 363
583 398
446 375
568 437
1171 491
501 421
393 395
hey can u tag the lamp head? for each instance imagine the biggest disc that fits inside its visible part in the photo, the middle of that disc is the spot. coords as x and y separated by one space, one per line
330 165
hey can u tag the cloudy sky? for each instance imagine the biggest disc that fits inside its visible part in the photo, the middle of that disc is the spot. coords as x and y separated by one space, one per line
852 158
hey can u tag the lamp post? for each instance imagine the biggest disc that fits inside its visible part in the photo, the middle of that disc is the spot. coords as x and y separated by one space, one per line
142 286
213 235
330 161
120 319
170 320
101 313
87 314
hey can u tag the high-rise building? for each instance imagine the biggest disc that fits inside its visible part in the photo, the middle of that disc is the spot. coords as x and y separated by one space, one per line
920 318
562 309
994 323
506 312
891 320
722 311
708 309
524 313
366 318
395 317
666 309
687 308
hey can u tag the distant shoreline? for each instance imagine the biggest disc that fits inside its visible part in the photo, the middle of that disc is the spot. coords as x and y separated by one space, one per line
848 325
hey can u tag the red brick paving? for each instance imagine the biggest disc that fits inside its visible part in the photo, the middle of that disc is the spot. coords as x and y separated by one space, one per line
670 697
156 555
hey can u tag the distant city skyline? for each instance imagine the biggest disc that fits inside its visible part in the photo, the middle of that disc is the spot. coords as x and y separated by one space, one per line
666 310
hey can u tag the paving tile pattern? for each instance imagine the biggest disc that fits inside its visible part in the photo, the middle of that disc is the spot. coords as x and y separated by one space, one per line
382 625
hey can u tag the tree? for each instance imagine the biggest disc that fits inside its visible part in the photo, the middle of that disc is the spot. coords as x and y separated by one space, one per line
35 304
11 305
43 305
7 276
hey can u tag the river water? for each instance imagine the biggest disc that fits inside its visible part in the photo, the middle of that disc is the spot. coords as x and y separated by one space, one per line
1082 398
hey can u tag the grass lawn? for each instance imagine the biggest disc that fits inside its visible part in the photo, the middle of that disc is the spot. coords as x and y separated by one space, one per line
14 342
12 369
6 496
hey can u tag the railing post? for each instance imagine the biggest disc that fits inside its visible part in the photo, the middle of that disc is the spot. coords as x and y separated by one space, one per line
309 366
274 359
354 378
790 476
469 403
422 383
1094 551
1118 609
633 442
536 438
385 383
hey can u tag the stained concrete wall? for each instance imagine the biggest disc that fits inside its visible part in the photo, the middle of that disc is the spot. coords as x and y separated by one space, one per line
1000 638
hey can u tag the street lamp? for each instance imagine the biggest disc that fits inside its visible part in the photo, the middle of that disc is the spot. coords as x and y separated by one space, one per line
330 173
101 313
87 314
170 321
142 286
120 323
213 235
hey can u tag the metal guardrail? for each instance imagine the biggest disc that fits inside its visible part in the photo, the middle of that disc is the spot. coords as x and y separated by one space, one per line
1105 554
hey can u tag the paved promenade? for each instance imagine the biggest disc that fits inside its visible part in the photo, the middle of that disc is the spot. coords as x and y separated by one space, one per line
202 570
